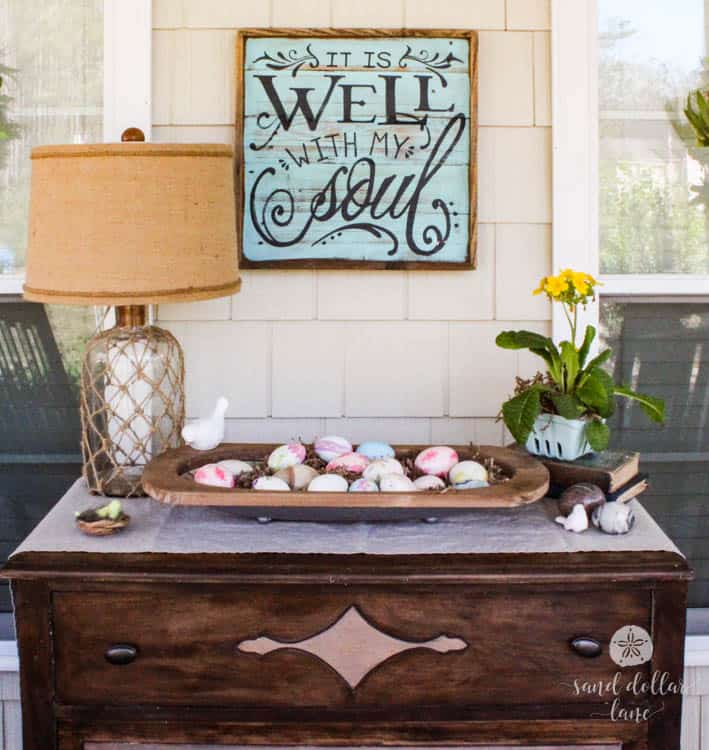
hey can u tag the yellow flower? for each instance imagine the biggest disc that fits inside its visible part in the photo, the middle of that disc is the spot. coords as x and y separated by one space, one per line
541 286
583 283
555 285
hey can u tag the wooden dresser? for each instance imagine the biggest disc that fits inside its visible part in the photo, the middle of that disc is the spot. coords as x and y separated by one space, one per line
193 630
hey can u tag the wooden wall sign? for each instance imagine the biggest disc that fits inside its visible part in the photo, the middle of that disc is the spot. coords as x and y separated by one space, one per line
356 148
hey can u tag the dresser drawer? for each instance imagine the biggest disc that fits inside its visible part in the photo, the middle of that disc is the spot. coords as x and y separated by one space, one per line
334 647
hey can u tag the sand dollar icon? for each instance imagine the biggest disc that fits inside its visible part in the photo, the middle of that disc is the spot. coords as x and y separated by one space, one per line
631 646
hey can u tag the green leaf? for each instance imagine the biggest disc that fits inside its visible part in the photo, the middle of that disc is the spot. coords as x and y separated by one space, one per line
607 381
593 392
597 434
520 412
598 360
540 345
588 338
653 407
570 362
523 340
567 406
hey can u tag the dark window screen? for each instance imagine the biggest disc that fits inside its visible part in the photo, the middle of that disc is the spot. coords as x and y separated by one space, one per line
39 418
663 349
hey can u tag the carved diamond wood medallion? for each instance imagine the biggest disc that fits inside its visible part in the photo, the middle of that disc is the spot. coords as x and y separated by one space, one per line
352 646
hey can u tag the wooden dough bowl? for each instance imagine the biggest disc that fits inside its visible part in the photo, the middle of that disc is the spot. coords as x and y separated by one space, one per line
166 480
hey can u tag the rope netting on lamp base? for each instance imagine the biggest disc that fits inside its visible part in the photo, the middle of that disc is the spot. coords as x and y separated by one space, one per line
132 403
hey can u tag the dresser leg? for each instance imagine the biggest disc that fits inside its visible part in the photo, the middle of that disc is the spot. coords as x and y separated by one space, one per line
668 633
32 622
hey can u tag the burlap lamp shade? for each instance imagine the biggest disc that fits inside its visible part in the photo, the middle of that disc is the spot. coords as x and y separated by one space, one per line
131 224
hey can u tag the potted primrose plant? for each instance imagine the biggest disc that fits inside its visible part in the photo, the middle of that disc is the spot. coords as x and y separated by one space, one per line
561 413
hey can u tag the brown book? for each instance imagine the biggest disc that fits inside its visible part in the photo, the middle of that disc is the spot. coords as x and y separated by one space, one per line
634 488
610 470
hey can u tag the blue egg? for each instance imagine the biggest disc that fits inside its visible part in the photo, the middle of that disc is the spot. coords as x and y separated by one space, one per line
374 450
471 484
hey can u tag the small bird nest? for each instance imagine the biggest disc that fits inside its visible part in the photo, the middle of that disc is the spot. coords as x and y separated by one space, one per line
91 523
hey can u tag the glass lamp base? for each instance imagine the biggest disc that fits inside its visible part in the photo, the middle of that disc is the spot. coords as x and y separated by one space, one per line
132 405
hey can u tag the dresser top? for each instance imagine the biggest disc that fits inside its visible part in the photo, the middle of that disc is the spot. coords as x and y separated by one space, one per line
158 528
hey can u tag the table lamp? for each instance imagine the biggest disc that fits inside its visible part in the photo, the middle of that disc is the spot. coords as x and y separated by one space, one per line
127 225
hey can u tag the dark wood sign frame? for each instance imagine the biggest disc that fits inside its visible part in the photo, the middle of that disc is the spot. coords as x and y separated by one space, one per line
330 33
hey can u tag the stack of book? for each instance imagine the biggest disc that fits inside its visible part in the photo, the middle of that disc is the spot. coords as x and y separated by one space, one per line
617 473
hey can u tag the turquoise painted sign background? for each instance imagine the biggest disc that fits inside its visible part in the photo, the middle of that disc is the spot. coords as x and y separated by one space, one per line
357 150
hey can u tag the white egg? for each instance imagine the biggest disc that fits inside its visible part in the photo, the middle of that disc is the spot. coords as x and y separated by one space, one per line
272 484
328 483
236 467
377 469
396 483
429 482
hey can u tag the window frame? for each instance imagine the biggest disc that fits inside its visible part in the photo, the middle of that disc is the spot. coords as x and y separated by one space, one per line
575 205
127 77
127 101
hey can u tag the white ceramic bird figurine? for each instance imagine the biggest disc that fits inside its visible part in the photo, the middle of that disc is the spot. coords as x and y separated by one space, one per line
206 433
576 521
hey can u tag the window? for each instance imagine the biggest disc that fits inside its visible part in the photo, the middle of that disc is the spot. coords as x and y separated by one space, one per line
51 61
653 190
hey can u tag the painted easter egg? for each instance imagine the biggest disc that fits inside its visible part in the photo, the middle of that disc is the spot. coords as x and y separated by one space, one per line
377 469
237 468
285 456
331 446
468 475
273 484
364 485
438 460
373 449
297 477
328 483
214 476
429 482
614 518
352 462
396 483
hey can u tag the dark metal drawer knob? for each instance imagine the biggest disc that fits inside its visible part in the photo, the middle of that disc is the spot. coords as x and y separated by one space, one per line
586 646
121 653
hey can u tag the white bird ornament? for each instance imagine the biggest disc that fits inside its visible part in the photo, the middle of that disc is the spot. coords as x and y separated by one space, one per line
206 433
576 521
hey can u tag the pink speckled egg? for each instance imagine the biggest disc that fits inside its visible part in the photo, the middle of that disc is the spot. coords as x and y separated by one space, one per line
353 462
214 476
286 455
331 446
438 460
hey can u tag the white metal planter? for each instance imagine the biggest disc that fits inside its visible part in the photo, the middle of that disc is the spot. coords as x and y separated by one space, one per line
556 437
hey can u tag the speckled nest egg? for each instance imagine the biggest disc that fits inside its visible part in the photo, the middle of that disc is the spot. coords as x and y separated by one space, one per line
364 485
429 483
396 483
